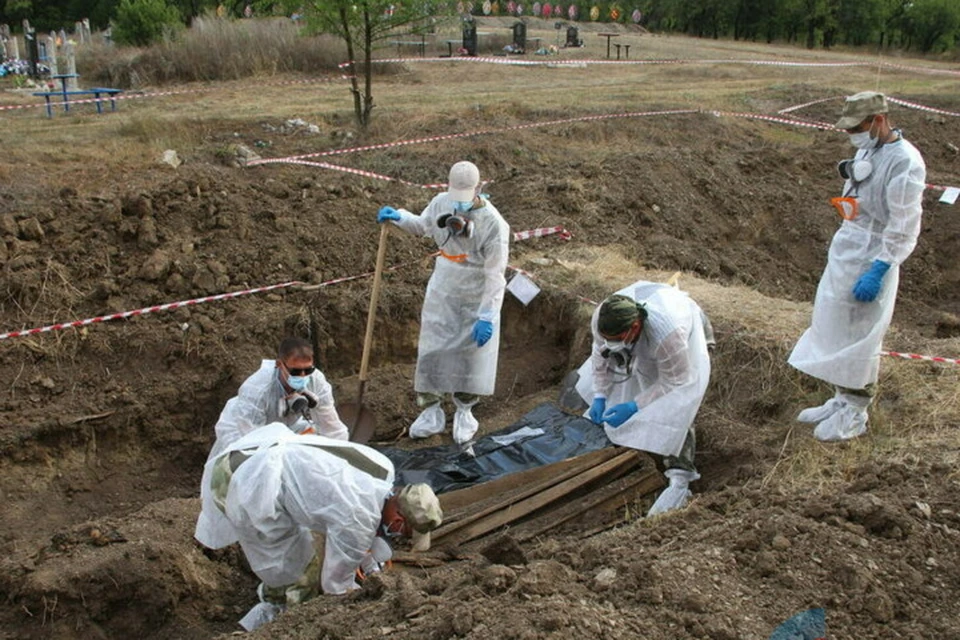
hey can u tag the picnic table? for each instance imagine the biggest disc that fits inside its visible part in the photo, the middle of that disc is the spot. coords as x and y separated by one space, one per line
420 44
608 36
64 94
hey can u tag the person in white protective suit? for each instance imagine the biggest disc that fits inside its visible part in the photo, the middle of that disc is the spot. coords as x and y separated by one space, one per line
881 202
274 489
290 390
460 320
647 376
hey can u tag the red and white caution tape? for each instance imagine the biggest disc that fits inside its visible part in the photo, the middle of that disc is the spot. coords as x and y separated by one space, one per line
144 311
155 94
922 107
914 356
520 235
483 132
807 104
759 116
540 233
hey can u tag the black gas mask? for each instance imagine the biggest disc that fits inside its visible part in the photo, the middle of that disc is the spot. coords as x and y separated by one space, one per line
618 352
300 403
456 224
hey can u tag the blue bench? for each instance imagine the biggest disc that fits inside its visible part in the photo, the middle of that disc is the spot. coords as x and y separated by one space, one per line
96 92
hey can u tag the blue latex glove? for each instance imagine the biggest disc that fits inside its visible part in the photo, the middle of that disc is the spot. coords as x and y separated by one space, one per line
387 213
596 410
482 332
868 286
620 413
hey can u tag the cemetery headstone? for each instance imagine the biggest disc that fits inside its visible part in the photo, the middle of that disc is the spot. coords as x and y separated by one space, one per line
470 37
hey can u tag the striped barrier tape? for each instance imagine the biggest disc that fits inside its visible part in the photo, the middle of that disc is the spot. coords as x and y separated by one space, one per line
144 311
542 232
807 104
154 94
915 356
520 235
335 167
548 63
922 107
902 103
482 132
766 118
300 159
896 354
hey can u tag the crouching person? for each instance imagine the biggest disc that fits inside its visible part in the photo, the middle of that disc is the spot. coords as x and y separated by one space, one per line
274 489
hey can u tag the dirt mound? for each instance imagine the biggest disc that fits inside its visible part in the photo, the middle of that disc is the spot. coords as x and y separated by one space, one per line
106 426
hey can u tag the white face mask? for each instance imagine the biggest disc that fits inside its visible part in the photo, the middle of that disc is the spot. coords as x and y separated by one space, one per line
862 140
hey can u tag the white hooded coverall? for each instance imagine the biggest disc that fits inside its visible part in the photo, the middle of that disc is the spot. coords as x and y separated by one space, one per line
292 485
843 344
467 285
668 374
260 401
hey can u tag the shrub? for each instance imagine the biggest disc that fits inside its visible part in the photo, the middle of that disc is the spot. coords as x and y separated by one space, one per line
140 22
214 49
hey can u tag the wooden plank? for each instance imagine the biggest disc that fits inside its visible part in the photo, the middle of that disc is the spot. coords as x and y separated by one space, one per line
600 501
505 514
461 504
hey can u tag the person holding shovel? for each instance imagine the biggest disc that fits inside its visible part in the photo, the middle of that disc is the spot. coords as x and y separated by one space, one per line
289 390
460 319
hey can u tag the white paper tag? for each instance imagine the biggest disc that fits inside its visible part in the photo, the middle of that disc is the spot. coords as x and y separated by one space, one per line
523 288
950 195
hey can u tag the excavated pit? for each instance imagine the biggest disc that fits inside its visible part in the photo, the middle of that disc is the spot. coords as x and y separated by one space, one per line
107 426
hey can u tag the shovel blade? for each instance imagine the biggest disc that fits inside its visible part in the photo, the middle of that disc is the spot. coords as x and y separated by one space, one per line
569 398
360 420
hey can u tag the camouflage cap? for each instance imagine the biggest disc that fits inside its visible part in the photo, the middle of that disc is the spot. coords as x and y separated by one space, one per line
419 505
618 313
861 106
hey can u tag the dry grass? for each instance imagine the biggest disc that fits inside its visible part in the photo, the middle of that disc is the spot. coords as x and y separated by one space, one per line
919 404
214 50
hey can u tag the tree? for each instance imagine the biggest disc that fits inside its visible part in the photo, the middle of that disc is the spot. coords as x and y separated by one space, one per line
932 24
140 22
360 24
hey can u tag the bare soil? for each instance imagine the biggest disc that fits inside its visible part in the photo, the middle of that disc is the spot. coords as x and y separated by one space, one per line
106 427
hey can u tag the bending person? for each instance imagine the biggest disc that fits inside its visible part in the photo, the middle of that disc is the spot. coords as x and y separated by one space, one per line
460 321
647 376
883 187
273 489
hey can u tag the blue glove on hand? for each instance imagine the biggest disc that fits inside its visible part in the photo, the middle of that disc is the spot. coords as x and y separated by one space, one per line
868 286
482 332
387 213
596 410
618 414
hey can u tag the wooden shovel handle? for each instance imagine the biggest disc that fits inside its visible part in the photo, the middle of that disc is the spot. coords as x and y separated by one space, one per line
374 295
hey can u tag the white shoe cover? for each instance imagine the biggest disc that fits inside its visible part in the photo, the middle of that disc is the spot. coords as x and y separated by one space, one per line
430 422
261 613
676 495
464 424
824 411
847 423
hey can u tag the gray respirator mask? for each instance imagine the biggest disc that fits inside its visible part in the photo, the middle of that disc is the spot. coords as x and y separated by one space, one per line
300 403
456 224
855 170
618 352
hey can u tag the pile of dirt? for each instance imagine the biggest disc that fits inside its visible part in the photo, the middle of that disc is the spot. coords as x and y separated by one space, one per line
106 427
